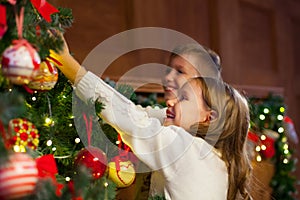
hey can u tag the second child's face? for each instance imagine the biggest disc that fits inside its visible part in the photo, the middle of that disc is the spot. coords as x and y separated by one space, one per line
181 69
189 108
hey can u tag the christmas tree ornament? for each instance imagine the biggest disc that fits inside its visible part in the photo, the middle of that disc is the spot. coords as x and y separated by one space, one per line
3 22
121 172
121 169
46 77
22 133
94 159
18 176
20 62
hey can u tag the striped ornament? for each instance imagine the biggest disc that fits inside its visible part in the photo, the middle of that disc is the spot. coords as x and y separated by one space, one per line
18 177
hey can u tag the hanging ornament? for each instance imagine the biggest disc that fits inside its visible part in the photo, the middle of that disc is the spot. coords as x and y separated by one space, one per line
92 157
22 134
18 177
121 170
46 77
20 61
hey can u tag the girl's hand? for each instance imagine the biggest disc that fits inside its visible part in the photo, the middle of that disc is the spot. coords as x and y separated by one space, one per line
69 66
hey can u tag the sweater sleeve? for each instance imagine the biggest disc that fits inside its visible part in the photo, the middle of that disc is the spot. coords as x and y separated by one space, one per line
154 144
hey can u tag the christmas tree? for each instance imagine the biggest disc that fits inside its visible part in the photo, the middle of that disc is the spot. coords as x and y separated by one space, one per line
36 116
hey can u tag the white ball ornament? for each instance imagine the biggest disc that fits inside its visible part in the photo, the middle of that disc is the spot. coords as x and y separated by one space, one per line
18 177
20 63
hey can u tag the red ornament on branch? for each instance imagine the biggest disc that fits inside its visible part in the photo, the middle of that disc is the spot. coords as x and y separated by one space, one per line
94 159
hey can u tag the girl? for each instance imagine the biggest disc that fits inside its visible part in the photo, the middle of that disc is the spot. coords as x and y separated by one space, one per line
205 157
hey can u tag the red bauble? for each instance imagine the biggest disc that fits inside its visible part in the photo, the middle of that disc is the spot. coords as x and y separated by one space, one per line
18 177
94 159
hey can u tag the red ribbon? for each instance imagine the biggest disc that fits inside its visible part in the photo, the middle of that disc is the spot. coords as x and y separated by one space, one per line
3 23
44 8
88 126
46 166
22 42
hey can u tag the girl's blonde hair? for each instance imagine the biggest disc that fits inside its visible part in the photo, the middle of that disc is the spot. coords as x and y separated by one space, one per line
227 132
208 62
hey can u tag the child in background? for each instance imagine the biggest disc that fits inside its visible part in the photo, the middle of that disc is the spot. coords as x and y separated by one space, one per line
200 150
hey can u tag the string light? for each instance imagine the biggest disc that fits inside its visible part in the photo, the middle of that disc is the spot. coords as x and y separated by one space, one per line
257 148
67 179
105 184
10 90
262 117
286 151
258 158
77 140
279 117
266 110
284 139
263 137
54 149
49 143
70 125
282 109
263 147
285 161
33 98
49 121
280 130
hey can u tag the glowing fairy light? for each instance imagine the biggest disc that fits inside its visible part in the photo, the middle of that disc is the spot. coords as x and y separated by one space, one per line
263 147
49 143
280 130
286 151
77 140
105 184
282 109
258 158
67 179
17 148
284 139
285 161
33 98
279 117
285 146
70 125
262 117
48 121
266 110
263 137
257 148
54 149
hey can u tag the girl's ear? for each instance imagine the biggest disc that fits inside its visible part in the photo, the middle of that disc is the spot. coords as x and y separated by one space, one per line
213 115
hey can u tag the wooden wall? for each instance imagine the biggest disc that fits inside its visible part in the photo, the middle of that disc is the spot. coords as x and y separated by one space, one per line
258 41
